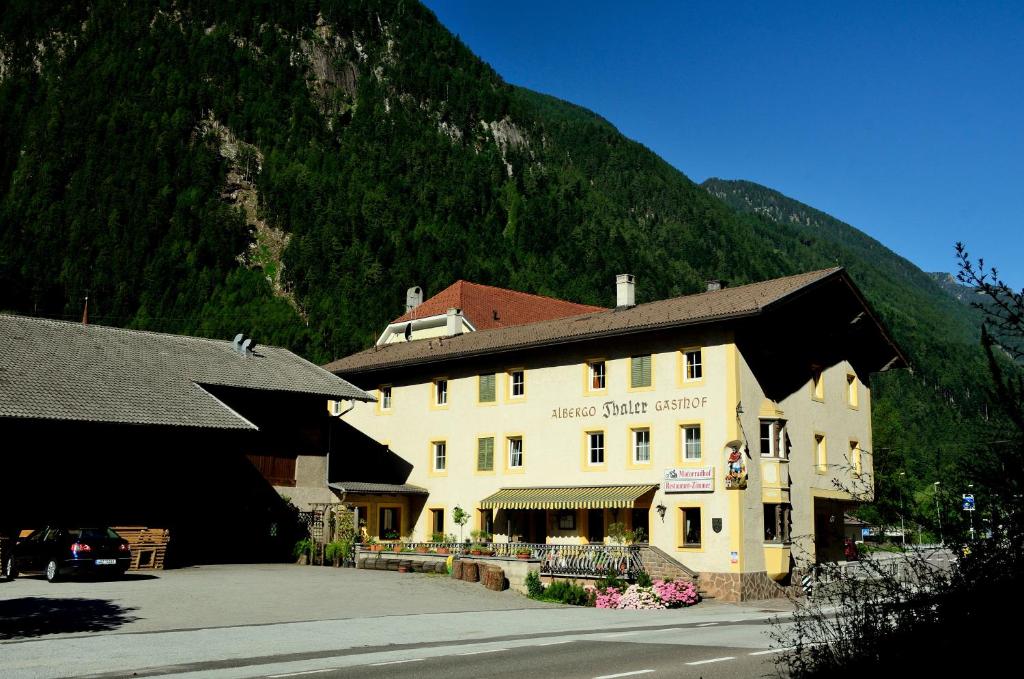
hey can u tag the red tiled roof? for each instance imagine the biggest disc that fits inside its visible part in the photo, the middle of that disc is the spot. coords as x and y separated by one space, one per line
488 307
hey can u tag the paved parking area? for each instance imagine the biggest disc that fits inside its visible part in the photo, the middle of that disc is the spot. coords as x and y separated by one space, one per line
232 595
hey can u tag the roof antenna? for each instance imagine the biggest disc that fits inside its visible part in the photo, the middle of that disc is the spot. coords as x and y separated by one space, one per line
85 311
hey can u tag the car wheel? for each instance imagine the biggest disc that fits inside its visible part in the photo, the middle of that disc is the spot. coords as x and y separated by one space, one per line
10 572
51 571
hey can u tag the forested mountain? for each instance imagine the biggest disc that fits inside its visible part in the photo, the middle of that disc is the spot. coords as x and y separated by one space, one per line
288 169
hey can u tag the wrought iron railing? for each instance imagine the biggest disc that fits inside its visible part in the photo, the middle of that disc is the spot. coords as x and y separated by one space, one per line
583 561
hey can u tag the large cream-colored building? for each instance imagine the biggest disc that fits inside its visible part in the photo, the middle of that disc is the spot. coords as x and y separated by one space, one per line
732 426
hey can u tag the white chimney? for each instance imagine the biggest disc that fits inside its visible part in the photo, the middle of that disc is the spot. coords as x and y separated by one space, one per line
413 298
454 319
714 285
624 290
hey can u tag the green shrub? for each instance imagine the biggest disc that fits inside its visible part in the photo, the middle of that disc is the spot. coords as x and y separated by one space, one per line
611 579
567 593
534 587
643 578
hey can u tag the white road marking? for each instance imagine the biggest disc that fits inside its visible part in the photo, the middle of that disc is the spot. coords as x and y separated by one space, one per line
623 674
621 634
774 650
706 624
493 650
555 643
705 662
396 662
295 674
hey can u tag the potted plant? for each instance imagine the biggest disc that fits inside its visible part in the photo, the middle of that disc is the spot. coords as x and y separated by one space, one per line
372 544
335 551
524 553
303 551
421 549
442 550
476 549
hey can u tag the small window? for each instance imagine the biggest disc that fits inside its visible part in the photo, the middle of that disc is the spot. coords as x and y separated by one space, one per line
693 368
770 435
441 392
777 519
515 452
517 383
567 520
820 453
855 458
385 398
641 446
596 376
691 442
852 391
486 388
485 454
640 371
437 521
817 385
595 447
690 524
440 456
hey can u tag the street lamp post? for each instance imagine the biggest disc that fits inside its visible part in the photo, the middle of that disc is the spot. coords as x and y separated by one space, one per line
938 516
903 511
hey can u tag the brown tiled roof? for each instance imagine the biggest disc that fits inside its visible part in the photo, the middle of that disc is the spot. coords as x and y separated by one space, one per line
745 300
488 307
55 370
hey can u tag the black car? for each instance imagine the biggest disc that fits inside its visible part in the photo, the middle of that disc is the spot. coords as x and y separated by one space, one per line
58 552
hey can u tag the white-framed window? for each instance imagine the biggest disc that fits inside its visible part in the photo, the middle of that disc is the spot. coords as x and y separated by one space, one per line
385 397
691 442
595 447
440 456
693 365
440 392
640 371
777 522
770 434
515 452
641 446
516 383
596 375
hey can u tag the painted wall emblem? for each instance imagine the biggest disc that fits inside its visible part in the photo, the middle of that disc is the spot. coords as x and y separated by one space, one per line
736 478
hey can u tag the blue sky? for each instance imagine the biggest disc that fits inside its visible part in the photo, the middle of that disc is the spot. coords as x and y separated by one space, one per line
905 120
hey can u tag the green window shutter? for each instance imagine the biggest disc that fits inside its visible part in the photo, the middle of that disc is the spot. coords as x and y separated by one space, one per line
485 455
487 388
640 371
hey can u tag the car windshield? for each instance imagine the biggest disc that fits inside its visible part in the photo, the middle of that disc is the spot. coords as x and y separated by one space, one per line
93 533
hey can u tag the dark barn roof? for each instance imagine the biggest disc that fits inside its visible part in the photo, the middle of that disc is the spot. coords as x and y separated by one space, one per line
55 370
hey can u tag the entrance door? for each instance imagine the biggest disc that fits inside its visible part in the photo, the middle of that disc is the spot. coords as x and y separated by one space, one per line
595 525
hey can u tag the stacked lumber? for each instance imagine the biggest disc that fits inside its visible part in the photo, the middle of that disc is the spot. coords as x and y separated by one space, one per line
148 545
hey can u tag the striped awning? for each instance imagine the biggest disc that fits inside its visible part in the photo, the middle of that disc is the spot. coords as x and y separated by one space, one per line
569 497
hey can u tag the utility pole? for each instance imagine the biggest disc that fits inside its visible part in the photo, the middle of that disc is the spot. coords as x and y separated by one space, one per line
938 516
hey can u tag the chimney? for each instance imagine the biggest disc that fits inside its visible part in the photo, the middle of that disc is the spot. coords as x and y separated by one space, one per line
413 298
454 318
625 295
714 285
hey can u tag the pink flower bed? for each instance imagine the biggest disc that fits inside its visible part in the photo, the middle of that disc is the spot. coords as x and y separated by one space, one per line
661 594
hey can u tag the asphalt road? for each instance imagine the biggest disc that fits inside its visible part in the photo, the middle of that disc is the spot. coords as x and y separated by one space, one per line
231 622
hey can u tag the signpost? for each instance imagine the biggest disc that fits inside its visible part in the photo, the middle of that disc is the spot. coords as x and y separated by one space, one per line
968 506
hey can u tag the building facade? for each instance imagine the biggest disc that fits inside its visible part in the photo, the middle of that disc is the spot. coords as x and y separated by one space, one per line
730 429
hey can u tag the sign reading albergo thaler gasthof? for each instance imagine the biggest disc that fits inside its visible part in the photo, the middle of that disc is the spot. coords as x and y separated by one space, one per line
688 480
